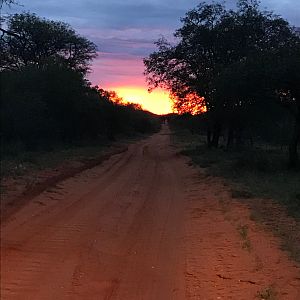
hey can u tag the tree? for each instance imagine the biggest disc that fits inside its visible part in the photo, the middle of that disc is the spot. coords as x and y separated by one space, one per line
216 58
31 40
191 66
285 76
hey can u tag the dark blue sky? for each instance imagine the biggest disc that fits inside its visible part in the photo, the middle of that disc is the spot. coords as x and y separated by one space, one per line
125 30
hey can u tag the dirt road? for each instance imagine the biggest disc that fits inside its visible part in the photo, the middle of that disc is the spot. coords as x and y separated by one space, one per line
143 225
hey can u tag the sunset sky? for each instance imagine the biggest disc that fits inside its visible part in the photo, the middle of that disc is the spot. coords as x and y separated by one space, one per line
124 31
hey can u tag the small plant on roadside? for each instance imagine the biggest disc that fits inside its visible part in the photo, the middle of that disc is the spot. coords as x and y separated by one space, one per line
267 294
224 206
243 231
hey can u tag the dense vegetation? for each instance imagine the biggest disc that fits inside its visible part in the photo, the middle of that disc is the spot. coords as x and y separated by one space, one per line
45 96
242 67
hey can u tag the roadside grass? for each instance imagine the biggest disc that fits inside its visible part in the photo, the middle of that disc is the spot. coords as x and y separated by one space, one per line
20 163
16 162
253 173
256 176
23 166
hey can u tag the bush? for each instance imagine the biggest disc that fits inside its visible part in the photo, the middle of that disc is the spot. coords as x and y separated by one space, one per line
55 104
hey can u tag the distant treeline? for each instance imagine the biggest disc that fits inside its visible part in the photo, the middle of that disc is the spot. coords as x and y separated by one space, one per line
45 96
242 66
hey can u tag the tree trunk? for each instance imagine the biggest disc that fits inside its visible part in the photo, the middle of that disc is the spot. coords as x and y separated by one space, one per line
293 151
208 137
230 137
216 135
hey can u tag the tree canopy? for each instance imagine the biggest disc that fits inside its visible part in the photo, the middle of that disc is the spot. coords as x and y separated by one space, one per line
211 40
31 40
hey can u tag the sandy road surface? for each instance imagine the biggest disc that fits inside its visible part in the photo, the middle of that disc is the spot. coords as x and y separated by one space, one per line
143 225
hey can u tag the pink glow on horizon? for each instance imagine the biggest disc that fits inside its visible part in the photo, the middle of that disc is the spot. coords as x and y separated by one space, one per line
116 69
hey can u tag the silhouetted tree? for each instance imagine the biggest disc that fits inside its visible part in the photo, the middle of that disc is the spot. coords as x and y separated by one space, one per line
31 40
285 75
223 56
41 107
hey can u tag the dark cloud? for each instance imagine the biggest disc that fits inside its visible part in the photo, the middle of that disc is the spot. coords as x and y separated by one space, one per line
112 14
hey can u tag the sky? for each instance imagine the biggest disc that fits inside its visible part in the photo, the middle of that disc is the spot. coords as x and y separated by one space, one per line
125 31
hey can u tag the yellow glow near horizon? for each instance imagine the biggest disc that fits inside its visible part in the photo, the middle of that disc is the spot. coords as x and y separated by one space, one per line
157 102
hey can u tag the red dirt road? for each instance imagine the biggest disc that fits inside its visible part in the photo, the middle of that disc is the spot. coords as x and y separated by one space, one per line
142 225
